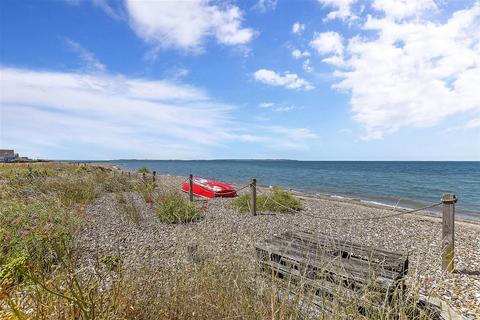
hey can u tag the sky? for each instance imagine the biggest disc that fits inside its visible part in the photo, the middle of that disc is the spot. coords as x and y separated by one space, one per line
306 80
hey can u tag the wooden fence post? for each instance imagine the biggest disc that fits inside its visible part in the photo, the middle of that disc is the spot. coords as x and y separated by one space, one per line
154 174
143 175
448 231
190 187
253 200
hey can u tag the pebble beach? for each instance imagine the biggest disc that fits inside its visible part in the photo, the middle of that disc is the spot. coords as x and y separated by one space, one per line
223 231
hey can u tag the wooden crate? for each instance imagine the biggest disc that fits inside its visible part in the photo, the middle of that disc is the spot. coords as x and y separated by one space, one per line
334 269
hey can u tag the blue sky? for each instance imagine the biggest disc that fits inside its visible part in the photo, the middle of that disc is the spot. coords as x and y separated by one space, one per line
308 80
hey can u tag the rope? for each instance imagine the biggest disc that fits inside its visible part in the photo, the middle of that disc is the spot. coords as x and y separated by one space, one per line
359 219
269 198
231 192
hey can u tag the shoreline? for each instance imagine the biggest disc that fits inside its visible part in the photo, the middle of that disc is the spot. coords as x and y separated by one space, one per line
423 213
460 217
223 231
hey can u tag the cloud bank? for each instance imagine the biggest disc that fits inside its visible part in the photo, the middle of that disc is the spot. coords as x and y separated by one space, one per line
104 116
411 71
186 25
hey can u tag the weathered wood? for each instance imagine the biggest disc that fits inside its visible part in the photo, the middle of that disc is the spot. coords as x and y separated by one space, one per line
448 232
328 260
338 270
190 187
154 176
333 267
253 200
353 249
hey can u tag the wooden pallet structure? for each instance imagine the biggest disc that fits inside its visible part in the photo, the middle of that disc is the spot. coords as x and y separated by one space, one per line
334 269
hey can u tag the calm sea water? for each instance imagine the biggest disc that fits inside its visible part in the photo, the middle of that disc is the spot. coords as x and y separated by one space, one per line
413 183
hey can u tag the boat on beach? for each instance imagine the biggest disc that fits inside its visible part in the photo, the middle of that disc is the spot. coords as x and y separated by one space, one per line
210 188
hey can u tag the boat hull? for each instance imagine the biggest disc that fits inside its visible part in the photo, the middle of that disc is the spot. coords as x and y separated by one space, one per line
210 188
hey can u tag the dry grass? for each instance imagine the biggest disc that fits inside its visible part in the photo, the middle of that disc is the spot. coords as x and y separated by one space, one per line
128 208
41 207
209 290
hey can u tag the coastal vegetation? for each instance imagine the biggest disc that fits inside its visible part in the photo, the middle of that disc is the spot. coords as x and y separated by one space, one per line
128 208
174 208
62 252
274 200
143 170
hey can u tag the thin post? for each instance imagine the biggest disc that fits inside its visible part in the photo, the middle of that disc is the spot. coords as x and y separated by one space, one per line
154 174
190 187
253 200
448 231
143 175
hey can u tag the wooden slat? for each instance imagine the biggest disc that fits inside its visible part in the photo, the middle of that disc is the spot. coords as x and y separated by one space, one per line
394 260
326 291
325 240
336 268
333 263
322 265
318 251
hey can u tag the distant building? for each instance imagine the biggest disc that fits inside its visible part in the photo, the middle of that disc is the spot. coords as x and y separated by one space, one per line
8 155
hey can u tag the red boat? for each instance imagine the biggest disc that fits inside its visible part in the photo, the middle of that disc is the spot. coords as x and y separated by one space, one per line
210 188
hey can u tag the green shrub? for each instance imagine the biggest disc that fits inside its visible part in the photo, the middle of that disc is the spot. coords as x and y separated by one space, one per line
39 207
276 200
174 208
143 170
242 203
33 235
12 271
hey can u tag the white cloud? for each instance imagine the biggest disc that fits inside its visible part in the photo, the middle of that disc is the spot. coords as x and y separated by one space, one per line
284 109
110 112
327 42
287 80
90 61
105 116
336 61
400 9
471 124
176 73
298 27
343 9
412 72
273 107
297 54
283 138
266 105
265 5
114 13
295 134
186 24
307 65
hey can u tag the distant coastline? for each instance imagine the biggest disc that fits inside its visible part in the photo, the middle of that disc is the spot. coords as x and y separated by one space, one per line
402 184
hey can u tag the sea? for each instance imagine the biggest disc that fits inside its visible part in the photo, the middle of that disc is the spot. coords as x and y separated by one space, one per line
404 184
